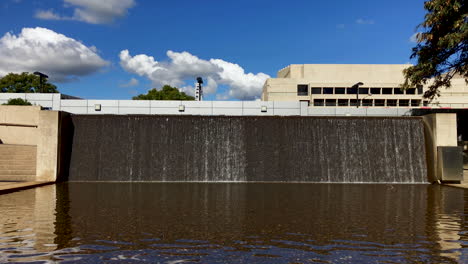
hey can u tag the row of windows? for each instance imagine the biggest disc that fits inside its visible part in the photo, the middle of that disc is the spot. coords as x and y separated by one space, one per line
303 90
368 102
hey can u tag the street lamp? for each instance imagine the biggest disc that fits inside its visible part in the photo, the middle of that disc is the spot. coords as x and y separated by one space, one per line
41 77
198 89
356 86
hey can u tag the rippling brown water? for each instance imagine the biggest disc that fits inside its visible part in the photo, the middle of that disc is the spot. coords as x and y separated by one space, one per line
234 223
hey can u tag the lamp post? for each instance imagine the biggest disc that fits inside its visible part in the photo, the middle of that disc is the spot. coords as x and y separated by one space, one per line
41 77
198 89
357 92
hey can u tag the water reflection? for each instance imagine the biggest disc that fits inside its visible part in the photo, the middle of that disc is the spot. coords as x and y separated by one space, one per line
234 223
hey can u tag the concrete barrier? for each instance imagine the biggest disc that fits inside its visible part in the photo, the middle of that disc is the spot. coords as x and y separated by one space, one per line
29 125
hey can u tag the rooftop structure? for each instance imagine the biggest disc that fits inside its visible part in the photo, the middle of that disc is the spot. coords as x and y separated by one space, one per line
330 85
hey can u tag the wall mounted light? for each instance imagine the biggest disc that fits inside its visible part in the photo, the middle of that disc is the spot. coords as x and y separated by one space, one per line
181 108
264 109
97 107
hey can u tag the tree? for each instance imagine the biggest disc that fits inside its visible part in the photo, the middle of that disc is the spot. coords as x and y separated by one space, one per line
17 101
166 93
442 47
25 83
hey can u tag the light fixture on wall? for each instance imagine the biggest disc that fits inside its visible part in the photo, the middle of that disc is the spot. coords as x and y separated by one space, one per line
264 109
181 108
97 107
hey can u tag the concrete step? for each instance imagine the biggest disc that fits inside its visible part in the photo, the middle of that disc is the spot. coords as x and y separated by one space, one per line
18 166
12 150
17 172
4 146
18 162
25 157
6 150
17 178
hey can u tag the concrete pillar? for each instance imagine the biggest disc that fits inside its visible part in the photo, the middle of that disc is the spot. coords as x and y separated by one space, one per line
440 131
47 146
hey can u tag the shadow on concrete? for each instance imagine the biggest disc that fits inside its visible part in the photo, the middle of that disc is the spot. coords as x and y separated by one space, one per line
65 145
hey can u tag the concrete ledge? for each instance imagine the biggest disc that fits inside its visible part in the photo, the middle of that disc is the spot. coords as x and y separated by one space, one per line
463 184
9 187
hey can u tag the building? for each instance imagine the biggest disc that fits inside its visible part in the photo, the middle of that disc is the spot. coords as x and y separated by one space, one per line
330 85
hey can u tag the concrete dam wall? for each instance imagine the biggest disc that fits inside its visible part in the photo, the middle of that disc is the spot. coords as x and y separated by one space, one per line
246 149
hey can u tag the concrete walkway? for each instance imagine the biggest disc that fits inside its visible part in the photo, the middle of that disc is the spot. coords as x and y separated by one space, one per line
8 187
463 184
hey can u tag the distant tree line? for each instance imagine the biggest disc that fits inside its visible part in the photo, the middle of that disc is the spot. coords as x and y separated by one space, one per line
17 101
25 83
167 92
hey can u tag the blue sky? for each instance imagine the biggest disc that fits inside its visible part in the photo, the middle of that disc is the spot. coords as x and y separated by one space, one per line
248 40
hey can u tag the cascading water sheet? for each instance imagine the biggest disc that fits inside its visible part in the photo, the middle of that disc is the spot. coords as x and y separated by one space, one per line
246 149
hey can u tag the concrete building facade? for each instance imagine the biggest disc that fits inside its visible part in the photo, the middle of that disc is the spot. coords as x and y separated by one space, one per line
330 85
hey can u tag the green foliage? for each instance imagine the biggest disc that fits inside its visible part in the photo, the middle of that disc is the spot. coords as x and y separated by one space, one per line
166 93
25 83
442 49
17 101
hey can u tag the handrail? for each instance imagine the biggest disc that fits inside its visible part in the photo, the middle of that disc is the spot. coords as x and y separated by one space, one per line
17 125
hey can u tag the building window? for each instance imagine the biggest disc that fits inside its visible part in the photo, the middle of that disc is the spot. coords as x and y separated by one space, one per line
340 90
387 90
391 102
316 90
330 102
411 91
366 102
343 102
375 90
404 102
379 102
327 90
302 89
318 102
363 90
397 91
420 89
351 90
425 103
353 102
415 102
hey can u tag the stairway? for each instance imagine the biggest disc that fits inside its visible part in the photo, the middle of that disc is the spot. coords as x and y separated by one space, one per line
17 162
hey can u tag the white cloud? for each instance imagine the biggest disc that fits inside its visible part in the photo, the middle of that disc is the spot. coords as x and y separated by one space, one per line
133 82
363 21
91 11
340 26
48 15
41 49
182 68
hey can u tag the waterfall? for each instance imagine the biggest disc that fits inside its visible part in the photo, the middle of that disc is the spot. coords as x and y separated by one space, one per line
240 149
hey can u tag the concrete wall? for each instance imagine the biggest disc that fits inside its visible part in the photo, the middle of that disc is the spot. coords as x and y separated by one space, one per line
46 100
29 125
440 131
26 117
215 108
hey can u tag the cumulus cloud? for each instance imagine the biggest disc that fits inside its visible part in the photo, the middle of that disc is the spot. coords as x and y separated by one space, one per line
41 49
363 21
183 67
91 11
131 83
48 15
